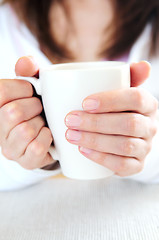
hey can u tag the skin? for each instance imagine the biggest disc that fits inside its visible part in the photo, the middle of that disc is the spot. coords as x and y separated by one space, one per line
83 39
23 135
129 114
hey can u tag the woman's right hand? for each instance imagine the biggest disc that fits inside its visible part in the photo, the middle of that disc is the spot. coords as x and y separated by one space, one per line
23 135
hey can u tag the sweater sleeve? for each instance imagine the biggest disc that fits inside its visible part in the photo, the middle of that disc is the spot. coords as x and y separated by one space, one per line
13 176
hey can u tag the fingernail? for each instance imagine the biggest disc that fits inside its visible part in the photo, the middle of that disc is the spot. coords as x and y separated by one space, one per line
90 104
73 120
73 135
85 150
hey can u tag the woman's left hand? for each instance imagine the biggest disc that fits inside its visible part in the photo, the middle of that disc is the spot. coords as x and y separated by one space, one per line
116 127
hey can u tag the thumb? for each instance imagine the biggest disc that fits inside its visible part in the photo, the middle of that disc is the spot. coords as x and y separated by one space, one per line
139 73
27 67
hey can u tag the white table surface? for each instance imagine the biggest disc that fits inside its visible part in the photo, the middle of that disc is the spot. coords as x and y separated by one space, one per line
64 209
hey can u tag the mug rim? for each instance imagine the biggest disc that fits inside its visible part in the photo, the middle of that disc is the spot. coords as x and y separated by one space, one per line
84 66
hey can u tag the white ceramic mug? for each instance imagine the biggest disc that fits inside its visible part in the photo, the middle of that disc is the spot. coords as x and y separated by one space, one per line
63 87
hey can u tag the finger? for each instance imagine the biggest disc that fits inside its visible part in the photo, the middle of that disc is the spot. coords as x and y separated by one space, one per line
139 73
21 136
12 89
26 66
118 145
17 112
132 99
127 124
36 155
121 166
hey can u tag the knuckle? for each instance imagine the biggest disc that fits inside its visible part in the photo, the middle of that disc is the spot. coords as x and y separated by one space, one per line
128 147
13 112
26 131
92 142
38 149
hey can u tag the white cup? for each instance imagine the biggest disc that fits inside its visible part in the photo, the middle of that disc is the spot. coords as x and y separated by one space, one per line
63 87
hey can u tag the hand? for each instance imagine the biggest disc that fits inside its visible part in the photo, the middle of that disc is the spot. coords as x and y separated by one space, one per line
23 135
116 127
